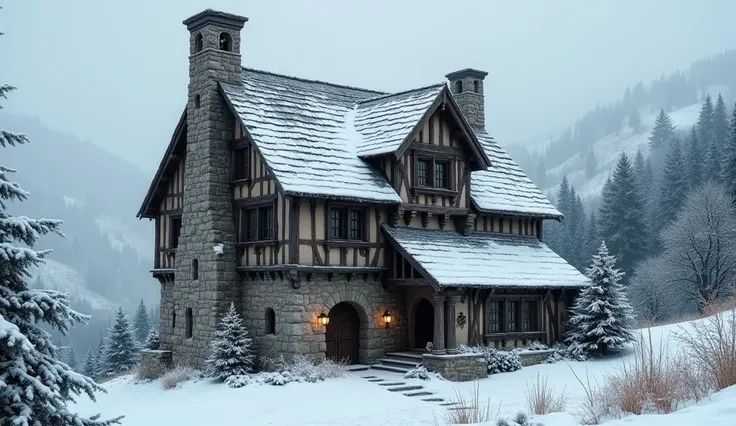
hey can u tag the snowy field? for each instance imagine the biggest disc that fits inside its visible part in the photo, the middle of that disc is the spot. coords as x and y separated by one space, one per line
355 401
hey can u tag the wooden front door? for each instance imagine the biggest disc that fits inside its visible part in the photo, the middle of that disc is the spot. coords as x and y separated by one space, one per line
342 333
423 324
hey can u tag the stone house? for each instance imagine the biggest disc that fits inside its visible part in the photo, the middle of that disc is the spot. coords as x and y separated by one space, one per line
345 222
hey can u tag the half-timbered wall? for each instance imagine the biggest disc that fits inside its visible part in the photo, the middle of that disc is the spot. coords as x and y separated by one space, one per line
316 244
168 222
506 225
253 180
438 146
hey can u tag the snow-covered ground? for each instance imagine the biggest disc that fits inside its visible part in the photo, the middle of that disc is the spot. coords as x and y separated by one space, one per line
355 401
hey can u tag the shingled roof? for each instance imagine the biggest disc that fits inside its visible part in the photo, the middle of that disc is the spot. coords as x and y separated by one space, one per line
448 259
315 137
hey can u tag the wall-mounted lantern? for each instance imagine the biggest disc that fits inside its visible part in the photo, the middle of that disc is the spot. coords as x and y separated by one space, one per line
387 318
323 319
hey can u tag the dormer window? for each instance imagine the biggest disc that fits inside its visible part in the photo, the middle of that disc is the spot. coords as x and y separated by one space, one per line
225 42
433 173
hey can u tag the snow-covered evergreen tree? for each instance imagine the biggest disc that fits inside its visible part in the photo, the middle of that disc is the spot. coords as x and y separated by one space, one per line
231 348
141 323
121 349
602 317
70 357
100 357
694 159
90 364
153 341
662 131
705 122
720 123
674 186
35 386
621 217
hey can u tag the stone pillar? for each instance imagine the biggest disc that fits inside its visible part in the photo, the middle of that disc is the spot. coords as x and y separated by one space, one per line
439 325
450 315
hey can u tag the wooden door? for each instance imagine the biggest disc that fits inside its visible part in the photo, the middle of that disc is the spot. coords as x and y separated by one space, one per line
341 334
423 324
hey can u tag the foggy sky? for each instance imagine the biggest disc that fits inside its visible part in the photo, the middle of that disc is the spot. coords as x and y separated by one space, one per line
117 72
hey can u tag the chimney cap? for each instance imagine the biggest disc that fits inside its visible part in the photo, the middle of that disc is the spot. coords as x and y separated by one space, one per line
467 72
230 20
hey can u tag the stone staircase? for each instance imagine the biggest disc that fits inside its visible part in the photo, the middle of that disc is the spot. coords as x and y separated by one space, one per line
399 362
413 391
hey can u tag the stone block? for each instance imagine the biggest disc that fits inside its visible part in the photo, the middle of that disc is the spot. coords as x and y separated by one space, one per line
154 363
458 368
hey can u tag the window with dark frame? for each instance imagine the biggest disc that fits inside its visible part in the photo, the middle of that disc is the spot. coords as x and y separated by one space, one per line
423 173
175 229
495 316
441 174
270 321
241 162
512 315
346 224
256 224
189 323
530 315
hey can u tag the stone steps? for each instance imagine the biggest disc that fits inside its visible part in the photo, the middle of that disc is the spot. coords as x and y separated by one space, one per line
411 391
420 393
399 362
389 368
392 384
405 388
415 357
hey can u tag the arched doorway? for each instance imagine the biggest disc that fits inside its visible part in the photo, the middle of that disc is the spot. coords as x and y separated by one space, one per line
342 333
423 323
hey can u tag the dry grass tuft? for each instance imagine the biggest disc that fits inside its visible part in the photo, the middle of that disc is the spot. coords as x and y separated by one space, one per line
542 398
176 375
597 403
468 410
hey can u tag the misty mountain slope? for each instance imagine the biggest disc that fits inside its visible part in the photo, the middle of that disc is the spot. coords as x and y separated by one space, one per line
607 150
107 253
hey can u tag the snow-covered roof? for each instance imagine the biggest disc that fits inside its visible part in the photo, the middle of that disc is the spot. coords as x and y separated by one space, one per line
504 187
449 259
384 122
308 132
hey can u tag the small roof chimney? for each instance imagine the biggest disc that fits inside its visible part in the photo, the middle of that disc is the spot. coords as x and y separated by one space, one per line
466 86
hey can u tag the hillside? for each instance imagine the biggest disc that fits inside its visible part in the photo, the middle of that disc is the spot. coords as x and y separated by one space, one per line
105 257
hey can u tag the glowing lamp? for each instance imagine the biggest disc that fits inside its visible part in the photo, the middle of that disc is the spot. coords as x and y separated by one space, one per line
323 319
387 318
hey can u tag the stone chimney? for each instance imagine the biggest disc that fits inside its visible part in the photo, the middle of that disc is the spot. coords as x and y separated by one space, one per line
206 282
467 88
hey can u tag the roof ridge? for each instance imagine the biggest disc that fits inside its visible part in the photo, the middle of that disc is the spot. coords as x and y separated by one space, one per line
388 95
307 80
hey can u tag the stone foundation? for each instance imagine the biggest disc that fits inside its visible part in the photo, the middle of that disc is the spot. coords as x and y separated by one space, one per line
154 363
296 311
458 368
534 357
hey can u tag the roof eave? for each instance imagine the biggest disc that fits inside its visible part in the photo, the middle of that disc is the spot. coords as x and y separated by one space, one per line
145 210
340 198
395 244
515 213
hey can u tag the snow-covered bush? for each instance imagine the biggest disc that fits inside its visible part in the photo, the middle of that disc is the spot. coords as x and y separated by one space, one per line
239 381
418 373
567 353
520 419
536 346
300 369
178 374
231 348
498 361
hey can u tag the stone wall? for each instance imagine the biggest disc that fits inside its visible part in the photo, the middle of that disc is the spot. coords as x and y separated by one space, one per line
154 363
534 357
459 368
297 331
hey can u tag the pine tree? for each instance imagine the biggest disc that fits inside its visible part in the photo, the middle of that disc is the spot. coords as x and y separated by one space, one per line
705 122
71 358
720 124
35 386
141 323
674 186
231 348
90 364
712 166
121 349
101 367
662 132
729 166
602 317
153 341
694 159
622 216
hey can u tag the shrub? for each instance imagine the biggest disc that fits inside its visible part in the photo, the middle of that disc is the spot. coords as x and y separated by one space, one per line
178 374
543 399
537 346
712 342
568 353
300 369
418 373
498 361
468 411
151 371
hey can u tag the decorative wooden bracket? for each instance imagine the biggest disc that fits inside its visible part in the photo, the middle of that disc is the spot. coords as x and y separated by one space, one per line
443 220
409 216
468 225
397 216
364 251
425 218
433 197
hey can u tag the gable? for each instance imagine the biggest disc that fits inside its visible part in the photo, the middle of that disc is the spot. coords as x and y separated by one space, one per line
174 155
